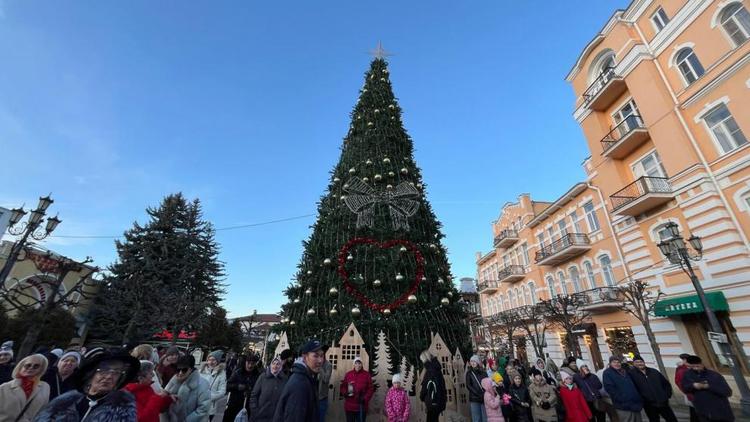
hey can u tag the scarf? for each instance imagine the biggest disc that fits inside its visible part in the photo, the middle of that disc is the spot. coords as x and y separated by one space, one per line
27 385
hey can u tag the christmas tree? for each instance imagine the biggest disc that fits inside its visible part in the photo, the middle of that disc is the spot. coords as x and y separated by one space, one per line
375 256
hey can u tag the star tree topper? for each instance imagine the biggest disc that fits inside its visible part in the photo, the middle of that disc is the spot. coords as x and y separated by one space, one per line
379 52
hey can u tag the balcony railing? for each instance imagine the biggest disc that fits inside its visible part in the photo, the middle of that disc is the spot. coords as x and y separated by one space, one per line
601 299
506 238
511 274
568 246
645 193
628 135
487 286
604 90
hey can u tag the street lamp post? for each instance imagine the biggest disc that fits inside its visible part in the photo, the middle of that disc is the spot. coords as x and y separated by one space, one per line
30 228
676 251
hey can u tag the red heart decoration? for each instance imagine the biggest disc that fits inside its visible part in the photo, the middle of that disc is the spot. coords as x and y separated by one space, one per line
354 291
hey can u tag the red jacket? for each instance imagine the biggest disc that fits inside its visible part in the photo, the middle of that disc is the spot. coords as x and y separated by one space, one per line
678 374
148 404
363 390
576 409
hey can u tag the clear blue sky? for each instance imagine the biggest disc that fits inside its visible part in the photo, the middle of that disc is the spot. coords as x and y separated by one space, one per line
111 105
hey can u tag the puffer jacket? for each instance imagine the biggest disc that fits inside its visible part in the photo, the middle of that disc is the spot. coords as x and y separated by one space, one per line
117 406
492 402
397 405
193 399
217 383
363 390
474 377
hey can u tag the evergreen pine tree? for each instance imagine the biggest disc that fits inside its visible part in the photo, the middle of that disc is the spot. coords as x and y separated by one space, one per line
375 255
167 275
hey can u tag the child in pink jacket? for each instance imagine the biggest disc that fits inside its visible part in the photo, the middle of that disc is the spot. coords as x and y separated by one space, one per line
397 405
492 401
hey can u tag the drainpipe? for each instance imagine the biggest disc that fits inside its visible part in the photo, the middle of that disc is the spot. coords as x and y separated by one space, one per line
693 141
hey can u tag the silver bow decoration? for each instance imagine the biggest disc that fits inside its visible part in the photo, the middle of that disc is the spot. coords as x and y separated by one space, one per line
401 201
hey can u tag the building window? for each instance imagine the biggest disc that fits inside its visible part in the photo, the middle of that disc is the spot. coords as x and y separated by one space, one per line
532 292
649 166
511 299
588 208
724 128
520 300
575 278
628 114
500 303
689 65
662 232
590 274
525 250
574 222
563 284
551 286
659 19
562 227
540 237
736 23
606 264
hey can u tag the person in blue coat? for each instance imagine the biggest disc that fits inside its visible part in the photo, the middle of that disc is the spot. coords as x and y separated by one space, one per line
710 392
299 398
621 389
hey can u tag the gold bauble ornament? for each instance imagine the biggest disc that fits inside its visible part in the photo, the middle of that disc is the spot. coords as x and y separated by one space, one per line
296 300
399 277
346 186
441 281
336 180
352 170
368 162
433 246
378 177
377 283
365 179
391 174
343 197
386 160
356 312
327 261
386 312
391 106
389 187
292 322
311 312
424 278
404 171
350 257
309 272
308 291
412 299
370 123
333 312
382 79
333 291
393 118
445 301
450 294
377 111
403 249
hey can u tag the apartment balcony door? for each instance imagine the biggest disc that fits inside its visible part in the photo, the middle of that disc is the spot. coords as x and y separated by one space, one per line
629 115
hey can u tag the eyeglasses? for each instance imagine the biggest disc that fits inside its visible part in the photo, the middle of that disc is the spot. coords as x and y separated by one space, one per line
32 366
110 371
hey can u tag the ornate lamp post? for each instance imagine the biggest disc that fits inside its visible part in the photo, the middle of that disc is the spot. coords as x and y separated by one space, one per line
31 228
676 251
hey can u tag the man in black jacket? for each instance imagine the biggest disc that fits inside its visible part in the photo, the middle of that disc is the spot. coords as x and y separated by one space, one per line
474 377
655 390
299 399
710 392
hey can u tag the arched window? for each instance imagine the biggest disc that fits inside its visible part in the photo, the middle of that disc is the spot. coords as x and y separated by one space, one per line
590 274
575 278
551 286
532 293
736 23
511 299
563 284
520 298
609 276
500 303
689 65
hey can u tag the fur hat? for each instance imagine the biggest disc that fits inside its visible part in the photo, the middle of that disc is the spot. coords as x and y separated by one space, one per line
580 363
92 361
396 379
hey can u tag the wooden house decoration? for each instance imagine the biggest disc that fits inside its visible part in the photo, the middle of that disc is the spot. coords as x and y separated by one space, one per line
283 344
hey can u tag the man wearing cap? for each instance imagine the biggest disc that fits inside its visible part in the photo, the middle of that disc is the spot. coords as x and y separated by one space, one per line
324 379
97 396
625 397
59 376
358 389
299 399
655 390
710 392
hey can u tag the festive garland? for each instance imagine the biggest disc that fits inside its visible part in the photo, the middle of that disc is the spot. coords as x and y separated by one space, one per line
354 291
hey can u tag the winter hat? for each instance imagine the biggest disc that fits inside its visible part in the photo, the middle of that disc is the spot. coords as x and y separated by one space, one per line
217 354
565 375
497 378
72 353
7 348
615 358
57 352
396 379
580 363
535 372
172 350
357 359
694 360
476 359
567 371
286 354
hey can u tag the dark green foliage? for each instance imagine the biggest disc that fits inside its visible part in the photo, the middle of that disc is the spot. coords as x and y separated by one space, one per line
218 333
59 327
380 153
167 275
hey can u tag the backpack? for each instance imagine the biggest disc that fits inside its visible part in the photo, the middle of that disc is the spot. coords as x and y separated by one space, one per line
431 401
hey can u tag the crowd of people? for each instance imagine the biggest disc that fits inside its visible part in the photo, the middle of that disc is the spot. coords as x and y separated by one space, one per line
147 384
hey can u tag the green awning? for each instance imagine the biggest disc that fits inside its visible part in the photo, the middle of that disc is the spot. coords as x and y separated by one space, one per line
690 304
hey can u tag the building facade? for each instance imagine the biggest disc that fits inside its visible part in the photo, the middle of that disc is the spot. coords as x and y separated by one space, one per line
662 95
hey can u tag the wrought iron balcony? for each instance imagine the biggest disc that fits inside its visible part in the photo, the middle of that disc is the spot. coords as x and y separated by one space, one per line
563 249
605 89
506 238
487 287
511 274
642 195
601 300
624 138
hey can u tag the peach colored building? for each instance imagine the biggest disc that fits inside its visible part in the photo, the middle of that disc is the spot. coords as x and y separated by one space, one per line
545 249
663 98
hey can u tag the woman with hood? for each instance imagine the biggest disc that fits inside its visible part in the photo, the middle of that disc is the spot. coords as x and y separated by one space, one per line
215 375
267 391
474 376
432 393
23 397
548 376
492 401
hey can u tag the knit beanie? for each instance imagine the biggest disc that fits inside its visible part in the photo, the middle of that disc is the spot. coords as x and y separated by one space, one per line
580 363
476 359
217 354
57 352
396 378
72 353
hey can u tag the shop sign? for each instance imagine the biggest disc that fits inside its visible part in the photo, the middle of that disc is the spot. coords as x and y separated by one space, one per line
690 304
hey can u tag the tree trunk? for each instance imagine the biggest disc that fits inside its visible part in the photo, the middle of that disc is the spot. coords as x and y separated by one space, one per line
30 339
654 346
175 333
572 343
510 344
127 336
